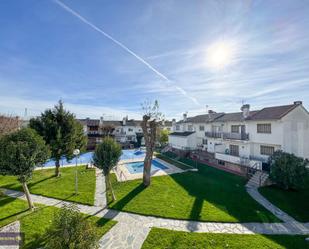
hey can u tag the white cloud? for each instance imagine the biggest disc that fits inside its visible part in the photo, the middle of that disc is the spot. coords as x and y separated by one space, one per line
16 106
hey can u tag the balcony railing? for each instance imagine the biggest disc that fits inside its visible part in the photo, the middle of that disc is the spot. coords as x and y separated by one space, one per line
236 136
239 160
213 134
227 135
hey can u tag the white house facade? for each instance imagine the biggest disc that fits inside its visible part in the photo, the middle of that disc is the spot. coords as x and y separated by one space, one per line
247 137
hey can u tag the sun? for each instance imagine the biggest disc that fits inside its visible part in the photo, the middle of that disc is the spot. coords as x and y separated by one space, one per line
220 54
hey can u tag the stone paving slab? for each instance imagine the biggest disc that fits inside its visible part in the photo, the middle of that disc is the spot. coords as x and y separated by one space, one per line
10 228
100 190
132 229
254 193
125 235
127 219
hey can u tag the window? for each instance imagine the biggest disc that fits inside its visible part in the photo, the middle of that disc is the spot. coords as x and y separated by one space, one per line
267 150
202 127
177 127
235 128
234 150
263 128
130 129
204 141
190 127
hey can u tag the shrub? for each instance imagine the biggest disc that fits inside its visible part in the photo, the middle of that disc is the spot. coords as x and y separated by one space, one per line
20 152
288 171
106 157
71 230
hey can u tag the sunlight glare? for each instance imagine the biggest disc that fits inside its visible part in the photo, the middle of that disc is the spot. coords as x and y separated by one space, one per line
220 54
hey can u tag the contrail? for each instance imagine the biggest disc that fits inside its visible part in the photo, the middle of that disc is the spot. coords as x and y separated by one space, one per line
84 20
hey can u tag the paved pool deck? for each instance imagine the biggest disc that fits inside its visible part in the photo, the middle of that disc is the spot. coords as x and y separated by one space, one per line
123 173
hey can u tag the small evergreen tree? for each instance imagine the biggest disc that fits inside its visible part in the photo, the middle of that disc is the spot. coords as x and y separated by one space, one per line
61 132
288 171
71 230
20 152
106 157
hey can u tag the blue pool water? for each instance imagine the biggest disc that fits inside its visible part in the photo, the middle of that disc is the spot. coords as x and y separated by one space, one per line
137 167
87 158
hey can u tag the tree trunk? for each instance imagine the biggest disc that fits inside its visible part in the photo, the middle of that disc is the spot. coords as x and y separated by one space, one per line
110 187
57 169
147 168
27 193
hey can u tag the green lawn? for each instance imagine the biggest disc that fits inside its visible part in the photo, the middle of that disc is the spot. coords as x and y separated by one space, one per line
207 195
34 224
173 161
167 239
294 203
45 183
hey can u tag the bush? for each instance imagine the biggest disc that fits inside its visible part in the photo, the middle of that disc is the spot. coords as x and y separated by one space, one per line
288 171
71 230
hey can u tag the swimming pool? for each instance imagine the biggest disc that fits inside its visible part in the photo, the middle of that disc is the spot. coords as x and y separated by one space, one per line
87 158
137 167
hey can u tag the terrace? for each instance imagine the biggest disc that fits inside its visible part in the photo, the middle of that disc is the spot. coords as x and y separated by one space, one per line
227 135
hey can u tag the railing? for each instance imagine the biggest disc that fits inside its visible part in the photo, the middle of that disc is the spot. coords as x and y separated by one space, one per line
236 136
239 160
213 134
178 147
227 135
259 158
93 132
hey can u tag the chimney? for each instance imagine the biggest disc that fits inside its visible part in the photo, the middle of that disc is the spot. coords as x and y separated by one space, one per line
185 117
124 121
245 110
298 102
173 122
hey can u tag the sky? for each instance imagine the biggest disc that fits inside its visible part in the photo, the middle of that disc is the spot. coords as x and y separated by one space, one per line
106 57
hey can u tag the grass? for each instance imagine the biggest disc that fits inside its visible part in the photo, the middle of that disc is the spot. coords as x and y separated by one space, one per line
163 239
292 202
180 165
44 183
206 195
34 224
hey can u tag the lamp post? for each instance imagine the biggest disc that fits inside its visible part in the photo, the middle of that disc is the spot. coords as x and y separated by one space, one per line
76 153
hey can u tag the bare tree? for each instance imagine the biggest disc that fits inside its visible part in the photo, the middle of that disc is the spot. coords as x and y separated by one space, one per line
151 120
9 124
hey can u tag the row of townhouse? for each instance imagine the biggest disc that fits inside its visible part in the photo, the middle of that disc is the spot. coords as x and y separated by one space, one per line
246 137
127 132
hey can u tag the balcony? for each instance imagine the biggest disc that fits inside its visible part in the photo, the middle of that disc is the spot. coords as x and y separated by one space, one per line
236 136
228 135
213 134
94 134
238 160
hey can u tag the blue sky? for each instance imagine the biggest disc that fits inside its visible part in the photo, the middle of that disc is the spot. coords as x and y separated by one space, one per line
107 57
